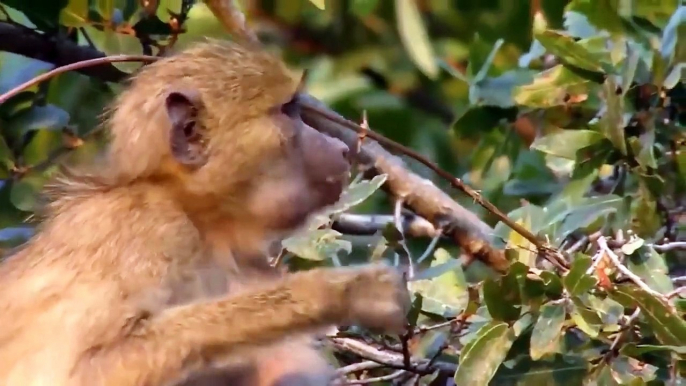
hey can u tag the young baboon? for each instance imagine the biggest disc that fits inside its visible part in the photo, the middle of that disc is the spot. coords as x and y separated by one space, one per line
126 282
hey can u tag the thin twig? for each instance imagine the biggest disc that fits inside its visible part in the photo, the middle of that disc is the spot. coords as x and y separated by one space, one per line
626 328
666 247
602 243
369 224
360 366
390 359
597 258
72 67
397 216
383 378
429 250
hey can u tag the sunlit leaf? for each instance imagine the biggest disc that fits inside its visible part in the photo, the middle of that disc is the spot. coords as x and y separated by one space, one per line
668 327
633 349
483 71
569 51
553 87
577 281
614 120
545 338
114 43
651 267
446 292
355 193
565 143
482 356
105 8
414 37
321 4
75 14
317 244
586 319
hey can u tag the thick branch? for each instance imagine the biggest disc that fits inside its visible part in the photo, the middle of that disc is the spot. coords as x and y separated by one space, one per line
419 194
24 41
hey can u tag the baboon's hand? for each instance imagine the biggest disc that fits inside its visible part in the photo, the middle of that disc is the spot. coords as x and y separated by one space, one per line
377 298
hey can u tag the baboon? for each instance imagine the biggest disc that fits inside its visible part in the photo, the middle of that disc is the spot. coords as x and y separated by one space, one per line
149 267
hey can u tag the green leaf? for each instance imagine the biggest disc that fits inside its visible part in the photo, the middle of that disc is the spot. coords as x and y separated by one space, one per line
625 372
414 37
630 66
498 91
673 47
657 12
48 117
632 349
552 87
17 69
75 14
577 281
446 293
521 246
632 245
569 51
644 146
644 213
502 298
667 326
25 192
553 284
316 244
589 213
363 8
610 311
482 356
105 8
6 159
356 193
586 319
566 143
602 14
43 13
614 120
650 266
114 43
321 4
548 330
675 76
483 71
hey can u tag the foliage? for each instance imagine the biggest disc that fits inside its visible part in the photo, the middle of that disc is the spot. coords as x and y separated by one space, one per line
571 120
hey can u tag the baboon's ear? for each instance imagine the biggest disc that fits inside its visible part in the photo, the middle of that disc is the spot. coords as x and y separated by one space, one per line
186 135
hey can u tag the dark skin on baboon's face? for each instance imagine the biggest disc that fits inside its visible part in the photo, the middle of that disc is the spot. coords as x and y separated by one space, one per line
248 129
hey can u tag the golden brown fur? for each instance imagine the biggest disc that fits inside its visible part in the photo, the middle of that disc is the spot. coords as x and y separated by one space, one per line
126 283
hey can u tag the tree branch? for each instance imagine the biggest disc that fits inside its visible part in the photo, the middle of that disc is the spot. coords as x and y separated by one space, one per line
419 194
25 41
